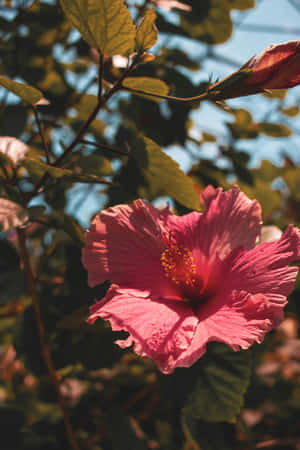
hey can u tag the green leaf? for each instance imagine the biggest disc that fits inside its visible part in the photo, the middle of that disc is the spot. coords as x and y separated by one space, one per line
243 127
163 175
292 178
208 137
69 225
274 129
94 164
267 171
292 111
223 380
146 84
12 279
38 168
146 35
242 4
12 215
209 21
105 24
27 93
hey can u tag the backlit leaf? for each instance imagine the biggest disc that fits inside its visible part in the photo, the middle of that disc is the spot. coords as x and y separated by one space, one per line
163 175
146 84
38 168
106 25
146 35
27 93
274 129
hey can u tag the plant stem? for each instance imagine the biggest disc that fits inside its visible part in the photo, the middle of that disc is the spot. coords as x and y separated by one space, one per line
100 75
105 147
45 352
204 96
101 102
42 134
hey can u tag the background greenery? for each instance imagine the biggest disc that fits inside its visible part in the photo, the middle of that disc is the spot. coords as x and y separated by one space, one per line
115 399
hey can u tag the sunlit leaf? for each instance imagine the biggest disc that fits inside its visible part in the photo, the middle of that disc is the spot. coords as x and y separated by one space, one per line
163 175
292 178
291 111
146 84
12 215
38 168
146 35
274 129
104 24
27 93
242 4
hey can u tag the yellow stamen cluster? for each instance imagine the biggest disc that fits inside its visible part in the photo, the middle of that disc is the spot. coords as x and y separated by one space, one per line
178 264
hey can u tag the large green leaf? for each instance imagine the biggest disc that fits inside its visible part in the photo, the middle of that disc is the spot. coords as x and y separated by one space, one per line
146 84
223 380
104 24
27 93
163 175
146 35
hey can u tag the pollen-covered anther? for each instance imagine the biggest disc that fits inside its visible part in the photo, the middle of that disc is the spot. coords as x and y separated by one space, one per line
178 264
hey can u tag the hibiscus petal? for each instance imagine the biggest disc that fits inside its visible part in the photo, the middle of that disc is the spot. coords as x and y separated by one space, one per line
239 321
265 269
159 329
229 221
124 245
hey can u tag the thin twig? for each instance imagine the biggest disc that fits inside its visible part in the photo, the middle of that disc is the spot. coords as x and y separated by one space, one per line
204 96
105 147
45 352
102 102
100 75
42 134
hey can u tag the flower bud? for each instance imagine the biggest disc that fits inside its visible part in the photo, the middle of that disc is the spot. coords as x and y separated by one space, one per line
277 67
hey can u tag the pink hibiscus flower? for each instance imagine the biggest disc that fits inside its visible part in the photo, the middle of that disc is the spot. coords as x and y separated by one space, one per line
181 282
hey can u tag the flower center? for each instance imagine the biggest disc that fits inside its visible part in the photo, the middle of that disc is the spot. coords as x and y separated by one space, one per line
178 264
